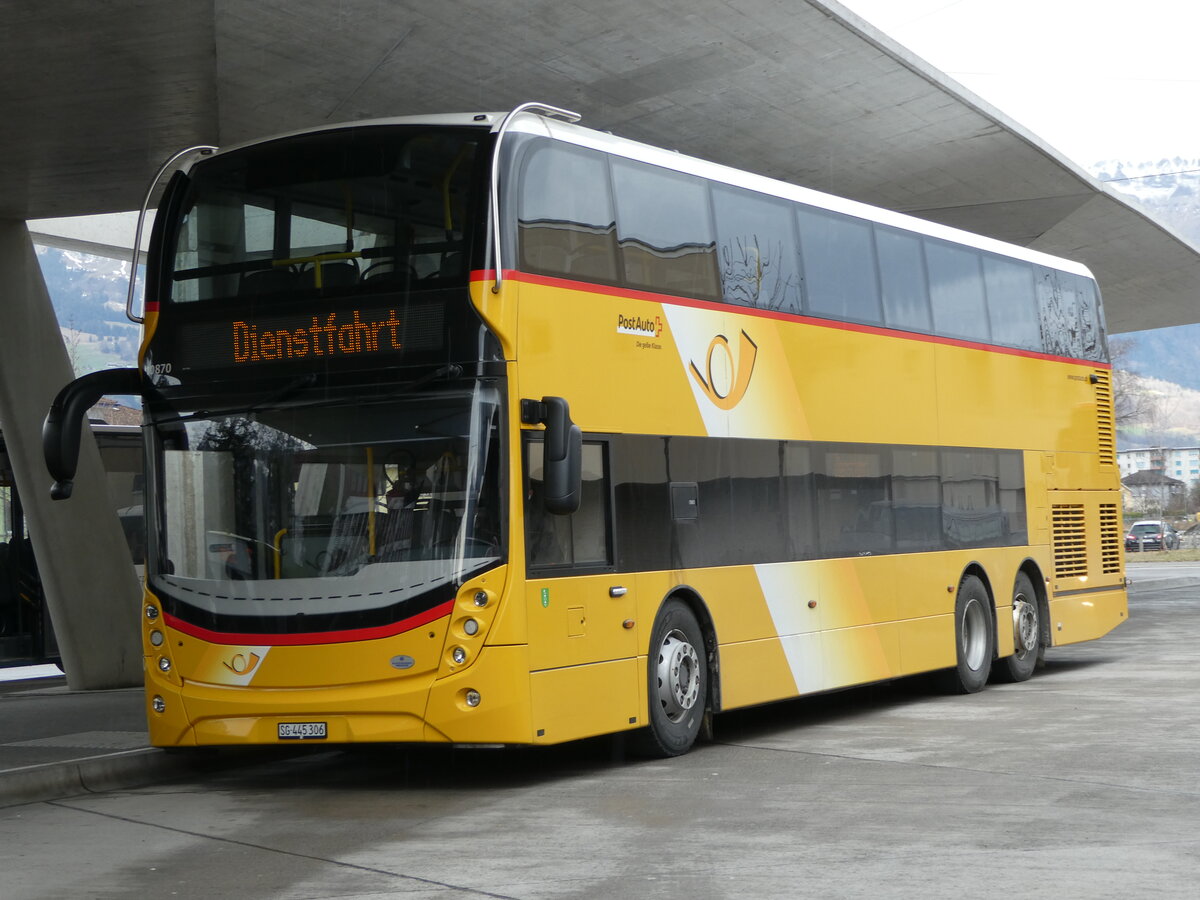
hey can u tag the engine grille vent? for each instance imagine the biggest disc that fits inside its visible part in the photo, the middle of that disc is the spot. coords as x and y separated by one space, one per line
1110 539
1069 540
1105 432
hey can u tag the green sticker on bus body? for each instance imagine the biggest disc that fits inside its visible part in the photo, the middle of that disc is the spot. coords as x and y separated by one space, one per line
545 597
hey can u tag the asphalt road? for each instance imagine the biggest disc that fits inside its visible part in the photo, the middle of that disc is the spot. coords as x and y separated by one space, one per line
1082 782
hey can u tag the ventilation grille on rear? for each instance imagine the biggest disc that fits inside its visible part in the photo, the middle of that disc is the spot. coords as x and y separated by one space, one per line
1110 539
1105 434
1070 540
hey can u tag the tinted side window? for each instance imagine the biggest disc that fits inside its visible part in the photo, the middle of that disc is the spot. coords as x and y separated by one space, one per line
665 231
854 508
971 513
839 266
704 540
799 490
956 291
756 244
644 526
1012 303
580 539
1012 496
565 218
902 279
916 500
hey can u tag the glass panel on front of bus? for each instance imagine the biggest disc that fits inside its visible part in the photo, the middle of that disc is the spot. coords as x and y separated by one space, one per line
956 291
839 266
565 215
902 280
377 207
758 254
1012 303
664 231
321 510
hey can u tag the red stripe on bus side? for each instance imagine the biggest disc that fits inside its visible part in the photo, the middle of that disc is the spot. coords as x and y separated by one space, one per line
311 638
625 293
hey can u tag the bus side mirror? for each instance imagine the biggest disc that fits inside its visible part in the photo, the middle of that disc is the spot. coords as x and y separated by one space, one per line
562 454
64 422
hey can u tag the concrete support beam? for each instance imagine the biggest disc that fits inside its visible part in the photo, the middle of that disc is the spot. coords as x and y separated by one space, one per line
91 588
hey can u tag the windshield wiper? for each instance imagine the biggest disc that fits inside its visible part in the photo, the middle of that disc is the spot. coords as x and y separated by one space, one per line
452 370
272 399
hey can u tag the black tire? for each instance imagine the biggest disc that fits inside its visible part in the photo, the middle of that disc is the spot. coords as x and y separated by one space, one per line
974 638
677 682
1027 634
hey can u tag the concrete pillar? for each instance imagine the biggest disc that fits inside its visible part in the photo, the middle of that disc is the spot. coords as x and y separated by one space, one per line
91 588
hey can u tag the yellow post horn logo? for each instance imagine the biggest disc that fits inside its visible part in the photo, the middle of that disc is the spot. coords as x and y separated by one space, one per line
747 352
240 664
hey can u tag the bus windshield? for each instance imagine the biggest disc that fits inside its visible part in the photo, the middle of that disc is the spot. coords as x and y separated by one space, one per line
379 207
329 510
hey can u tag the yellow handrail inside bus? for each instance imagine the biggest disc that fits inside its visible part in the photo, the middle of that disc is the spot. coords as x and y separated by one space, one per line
447 213
317 260
371 502
277 546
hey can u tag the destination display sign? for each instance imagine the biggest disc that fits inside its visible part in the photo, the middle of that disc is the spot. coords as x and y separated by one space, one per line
373 335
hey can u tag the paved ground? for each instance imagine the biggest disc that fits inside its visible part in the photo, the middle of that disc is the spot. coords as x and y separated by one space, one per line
1080 783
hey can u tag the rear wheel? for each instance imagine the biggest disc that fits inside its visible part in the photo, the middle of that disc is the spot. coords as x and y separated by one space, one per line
677 682
974 638
1027 633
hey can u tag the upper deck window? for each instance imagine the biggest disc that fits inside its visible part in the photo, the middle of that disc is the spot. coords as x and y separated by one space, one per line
665 231
598 217
375 207
567 232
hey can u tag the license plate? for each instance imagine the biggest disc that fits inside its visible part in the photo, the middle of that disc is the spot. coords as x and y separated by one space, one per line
302 731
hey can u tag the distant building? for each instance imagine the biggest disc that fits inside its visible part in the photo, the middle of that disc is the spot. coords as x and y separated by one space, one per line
1182 463
113 412
1150 491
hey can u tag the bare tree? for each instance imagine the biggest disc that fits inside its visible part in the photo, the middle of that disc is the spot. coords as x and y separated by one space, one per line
1133 401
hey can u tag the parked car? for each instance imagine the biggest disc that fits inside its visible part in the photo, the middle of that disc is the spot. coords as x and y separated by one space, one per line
1151 534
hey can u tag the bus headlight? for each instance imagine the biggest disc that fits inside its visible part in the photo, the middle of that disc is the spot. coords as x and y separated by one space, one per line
459 655
164 664
473 699
158 704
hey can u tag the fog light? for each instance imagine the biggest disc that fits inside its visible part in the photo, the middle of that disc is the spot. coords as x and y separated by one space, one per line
158 704
156 638
471 627
481 598
459 655
473 698
151 612
164 664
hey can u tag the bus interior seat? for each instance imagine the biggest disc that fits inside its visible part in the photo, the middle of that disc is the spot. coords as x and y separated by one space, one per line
268 281
341 273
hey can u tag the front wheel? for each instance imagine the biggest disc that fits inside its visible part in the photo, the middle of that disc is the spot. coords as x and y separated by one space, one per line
974 638
678 682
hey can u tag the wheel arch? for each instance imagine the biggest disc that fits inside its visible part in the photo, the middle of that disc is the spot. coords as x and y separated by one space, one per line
691 598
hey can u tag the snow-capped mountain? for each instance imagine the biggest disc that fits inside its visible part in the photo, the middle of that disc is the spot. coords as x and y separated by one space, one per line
1168 189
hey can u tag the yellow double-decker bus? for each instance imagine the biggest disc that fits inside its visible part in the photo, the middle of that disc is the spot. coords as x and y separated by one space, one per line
495 429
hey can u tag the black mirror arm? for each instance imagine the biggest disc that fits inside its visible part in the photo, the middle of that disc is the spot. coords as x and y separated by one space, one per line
562 455
63 428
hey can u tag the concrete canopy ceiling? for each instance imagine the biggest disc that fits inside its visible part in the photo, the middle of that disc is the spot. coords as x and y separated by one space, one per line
98 94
